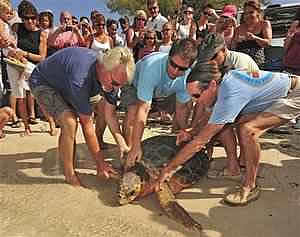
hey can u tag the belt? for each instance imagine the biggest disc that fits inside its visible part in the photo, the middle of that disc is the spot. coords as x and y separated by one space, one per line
294 81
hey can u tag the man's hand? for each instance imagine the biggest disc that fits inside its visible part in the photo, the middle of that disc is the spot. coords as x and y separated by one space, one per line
164 176
123 150
183 136
134 155
105 169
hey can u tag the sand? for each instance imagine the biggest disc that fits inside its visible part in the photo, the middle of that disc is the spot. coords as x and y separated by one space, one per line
36 202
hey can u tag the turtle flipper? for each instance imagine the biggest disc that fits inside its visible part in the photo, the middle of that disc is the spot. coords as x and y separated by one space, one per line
174 210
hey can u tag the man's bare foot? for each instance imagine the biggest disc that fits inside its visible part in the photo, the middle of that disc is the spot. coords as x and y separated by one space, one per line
74 181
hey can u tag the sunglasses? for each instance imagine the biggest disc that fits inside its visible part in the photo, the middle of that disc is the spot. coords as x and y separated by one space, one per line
206 13
196 95
165 30
188 12
141 19
175 66
27 18
153 8
97 24
149 38
115 83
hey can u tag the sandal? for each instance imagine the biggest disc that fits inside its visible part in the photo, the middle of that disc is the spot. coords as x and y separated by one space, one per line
242 197
16 124
223 174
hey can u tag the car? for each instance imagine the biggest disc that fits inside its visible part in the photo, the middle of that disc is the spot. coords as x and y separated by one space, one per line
281 14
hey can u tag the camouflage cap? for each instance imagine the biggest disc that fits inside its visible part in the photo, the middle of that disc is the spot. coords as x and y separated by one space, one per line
211 44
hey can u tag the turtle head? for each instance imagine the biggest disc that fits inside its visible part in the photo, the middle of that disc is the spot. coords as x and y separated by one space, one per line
130 188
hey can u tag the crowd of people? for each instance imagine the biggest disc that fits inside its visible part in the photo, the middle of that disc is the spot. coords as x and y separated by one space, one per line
209 69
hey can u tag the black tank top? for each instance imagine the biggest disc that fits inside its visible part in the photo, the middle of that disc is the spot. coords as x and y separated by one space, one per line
28 40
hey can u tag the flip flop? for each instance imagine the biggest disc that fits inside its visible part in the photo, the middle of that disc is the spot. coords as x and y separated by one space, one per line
241 197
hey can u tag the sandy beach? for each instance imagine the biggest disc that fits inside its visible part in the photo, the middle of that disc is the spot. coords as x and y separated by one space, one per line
36 202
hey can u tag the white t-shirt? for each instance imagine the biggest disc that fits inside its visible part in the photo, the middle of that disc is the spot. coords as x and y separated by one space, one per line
157 23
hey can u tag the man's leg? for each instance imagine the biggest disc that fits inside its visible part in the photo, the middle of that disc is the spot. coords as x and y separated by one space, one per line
100 122
251 127
249 132
228 139
68 124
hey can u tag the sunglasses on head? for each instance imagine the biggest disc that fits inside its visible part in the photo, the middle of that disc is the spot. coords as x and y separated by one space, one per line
174 65
29 18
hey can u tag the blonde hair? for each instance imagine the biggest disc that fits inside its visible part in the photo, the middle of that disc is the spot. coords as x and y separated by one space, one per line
5 5
118 56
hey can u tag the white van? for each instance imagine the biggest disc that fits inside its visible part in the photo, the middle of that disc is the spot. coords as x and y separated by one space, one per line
281 14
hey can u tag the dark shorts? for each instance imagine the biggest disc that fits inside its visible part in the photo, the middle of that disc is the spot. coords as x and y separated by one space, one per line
129 97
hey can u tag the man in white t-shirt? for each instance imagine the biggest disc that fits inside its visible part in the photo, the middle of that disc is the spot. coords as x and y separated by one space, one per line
156 20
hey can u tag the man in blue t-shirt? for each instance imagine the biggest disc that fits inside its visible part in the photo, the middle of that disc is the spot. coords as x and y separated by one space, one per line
158 76
66 83
253 102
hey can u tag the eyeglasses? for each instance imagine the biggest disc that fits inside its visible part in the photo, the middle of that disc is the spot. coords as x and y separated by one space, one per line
152 8
27 18
115 83
98 24
196 95
188 12
176 66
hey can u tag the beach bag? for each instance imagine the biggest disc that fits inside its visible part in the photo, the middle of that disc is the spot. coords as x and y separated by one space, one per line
291 58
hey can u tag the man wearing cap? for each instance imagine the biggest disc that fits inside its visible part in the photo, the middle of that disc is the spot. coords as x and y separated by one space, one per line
156 21
214 49
161 77
252 103
68 86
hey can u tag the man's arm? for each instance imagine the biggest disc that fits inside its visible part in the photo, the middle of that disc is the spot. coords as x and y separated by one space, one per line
93 145
189 150
182 114
135 153
114 126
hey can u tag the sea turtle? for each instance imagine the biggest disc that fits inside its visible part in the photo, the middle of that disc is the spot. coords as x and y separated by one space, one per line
138 181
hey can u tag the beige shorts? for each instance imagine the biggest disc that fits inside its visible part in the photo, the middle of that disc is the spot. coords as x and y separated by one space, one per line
289 107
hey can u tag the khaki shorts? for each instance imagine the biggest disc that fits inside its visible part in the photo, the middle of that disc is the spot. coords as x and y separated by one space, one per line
53 103
129 97
289 107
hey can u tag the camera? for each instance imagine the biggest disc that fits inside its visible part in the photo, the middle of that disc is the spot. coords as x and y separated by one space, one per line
69 28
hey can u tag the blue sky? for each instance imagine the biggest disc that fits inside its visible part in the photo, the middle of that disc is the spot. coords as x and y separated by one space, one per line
76 7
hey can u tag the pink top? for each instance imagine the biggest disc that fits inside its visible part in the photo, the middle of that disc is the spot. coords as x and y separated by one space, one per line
66 39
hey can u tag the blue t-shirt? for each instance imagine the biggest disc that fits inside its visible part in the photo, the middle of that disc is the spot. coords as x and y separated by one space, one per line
152 81
72 72
240 93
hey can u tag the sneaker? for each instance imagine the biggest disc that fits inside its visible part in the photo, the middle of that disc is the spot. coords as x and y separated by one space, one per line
297 124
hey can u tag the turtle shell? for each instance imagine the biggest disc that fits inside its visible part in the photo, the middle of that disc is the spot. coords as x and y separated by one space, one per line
159 150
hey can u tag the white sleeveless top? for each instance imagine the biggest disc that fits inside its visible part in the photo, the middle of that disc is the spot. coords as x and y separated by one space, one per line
164 48
98 46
